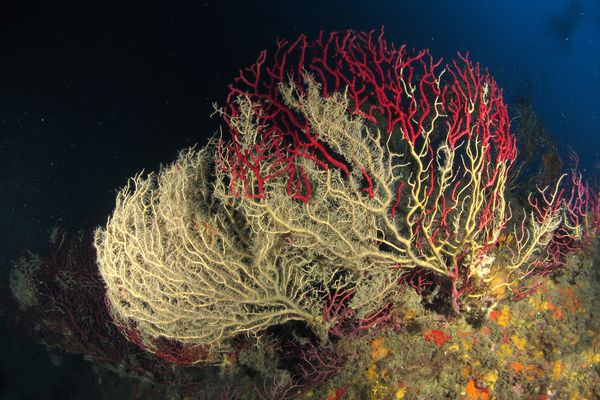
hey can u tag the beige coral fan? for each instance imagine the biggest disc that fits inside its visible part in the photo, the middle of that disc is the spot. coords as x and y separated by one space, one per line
179 265
435 224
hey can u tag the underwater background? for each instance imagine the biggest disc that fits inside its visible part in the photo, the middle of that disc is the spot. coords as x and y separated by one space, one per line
92 92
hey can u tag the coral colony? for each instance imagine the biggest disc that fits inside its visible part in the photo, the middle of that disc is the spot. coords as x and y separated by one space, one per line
352 171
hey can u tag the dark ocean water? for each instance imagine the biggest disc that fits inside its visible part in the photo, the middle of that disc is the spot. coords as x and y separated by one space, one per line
93 91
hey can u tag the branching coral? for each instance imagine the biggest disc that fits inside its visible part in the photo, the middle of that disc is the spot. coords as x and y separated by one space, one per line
340 181
394 211
181 265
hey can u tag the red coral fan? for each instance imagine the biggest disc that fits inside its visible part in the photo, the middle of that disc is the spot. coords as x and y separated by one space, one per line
389 86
